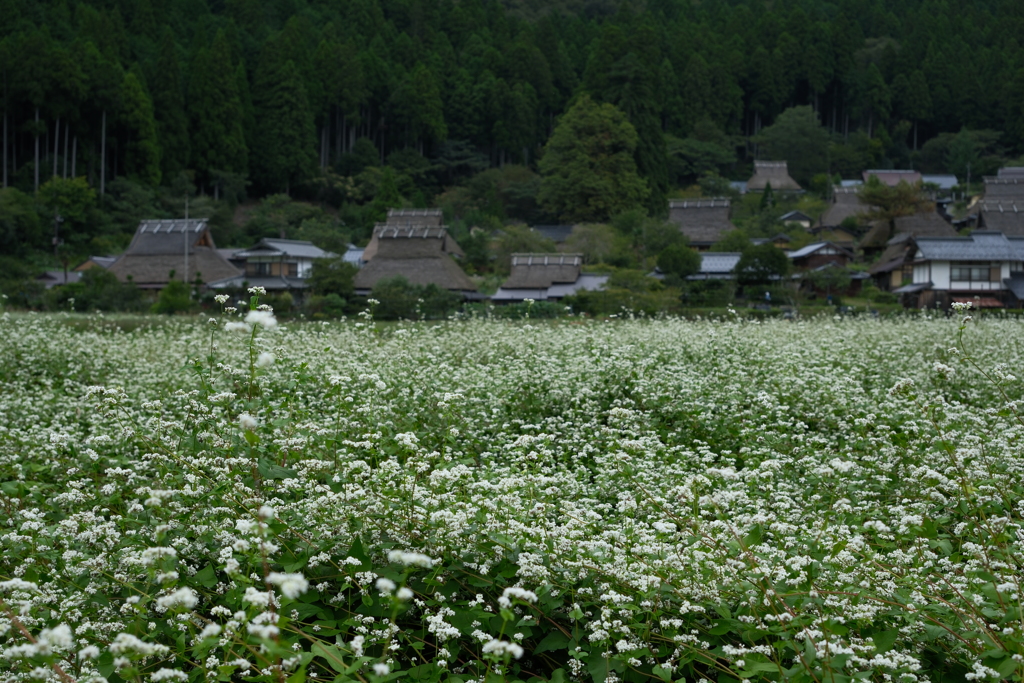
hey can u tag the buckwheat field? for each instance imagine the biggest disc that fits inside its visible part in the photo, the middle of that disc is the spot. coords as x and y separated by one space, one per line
575 500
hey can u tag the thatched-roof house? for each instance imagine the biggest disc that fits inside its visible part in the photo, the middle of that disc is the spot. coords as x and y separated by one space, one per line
159 247
774 172
546 277
1005 215
703 221
845 204
922 224
893 177
410 218
422 255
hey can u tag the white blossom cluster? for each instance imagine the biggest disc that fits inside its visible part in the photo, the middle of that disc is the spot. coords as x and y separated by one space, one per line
810 479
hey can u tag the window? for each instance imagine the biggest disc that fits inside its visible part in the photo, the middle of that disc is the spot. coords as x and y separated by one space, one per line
971 271
257 269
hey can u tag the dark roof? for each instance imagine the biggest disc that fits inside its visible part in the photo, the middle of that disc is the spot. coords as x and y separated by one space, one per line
1011 172
96 262
1003 216
893 177
417 254
1004 187
269 283
158 247
794 216
703 221
555 233
774 172
283 248
981 245
532 271
804 252
52 278
845 203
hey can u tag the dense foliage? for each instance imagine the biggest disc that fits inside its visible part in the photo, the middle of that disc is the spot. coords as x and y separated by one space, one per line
368 103
833 500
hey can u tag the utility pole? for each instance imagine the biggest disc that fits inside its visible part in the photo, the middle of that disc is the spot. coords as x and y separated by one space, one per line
184 276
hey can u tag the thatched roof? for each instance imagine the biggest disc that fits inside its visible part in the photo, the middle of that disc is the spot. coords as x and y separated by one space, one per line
923 224
774 172
845 203
534 271
415 217
1005 216
1011 172
450 246
1004 187
158 247
417 254
703 221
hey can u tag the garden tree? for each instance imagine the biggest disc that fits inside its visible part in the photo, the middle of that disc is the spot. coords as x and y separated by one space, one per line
141 148
691 158
174 298
599 243
588 169
679 260
890 202
333 276
732 241
762 264
518 239
70 200
832 279
962 156
169 108
798 138
215 114
284 147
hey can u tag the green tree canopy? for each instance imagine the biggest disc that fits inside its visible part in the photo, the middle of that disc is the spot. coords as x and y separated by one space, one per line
798 138
679 260
589 172
762 264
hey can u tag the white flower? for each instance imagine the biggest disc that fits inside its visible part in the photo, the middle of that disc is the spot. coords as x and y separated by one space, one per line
233 326
221 299
210 631
256 598
56 639
183 597
291 585
89 652
357 645
404 593
500 647
258 290
411 559
264 359
247 421
381 669
165 674
264 318
385 585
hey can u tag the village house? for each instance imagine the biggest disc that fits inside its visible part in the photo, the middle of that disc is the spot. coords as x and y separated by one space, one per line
819 254
774 173
703 221
893 177
277 265
985 268
179 246
546 277
421 254
845 205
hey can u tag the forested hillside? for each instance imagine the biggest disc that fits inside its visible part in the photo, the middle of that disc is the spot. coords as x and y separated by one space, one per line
362 104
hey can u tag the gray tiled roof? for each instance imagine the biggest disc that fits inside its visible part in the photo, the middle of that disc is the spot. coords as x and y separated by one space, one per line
719 261
979 246
279 247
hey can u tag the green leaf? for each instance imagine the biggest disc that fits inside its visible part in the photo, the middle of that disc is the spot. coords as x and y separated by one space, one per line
556 640
884 640
269 470
332 653
206 577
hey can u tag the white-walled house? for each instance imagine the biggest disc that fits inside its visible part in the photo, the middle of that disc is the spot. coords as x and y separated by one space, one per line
277 265
984 267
